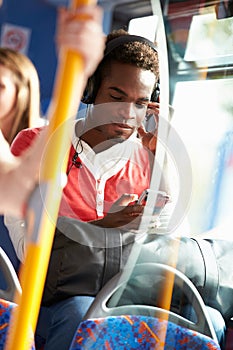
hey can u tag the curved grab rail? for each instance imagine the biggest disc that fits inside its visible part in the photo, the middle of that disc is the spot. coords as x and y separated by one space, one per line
11 278
106 301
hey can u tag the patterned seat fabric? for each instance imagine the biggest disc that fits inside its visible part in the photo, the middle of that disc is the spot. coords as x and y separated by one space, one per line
5 313
137 332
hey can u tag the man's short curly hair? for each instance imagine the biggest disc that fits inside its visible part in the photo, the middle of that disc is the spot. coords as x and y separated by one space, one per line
137 53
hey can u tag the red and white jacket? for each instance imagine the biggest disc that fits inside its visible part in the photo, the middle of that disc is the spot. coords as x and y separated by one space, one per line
99 179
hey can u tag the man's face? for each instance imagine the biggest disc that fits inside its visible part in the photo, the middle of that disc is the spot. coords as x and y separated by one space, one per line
131 87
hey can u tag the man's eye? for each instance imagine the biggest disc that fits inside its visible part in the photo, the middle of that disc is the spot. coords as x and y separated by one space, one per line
117 98
140 106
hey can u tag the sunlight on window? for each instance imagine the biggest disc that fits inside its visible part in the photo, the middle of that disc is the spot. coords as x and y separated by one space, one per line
202 118
144 26
210 40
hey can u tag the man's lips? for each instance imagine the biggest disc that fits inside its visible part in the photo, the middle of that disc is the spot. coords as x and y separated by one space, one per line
123 125
131 124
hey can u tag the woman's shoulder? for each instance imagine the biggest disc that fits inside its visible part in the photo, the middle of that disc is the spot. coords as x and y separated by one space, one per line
24 139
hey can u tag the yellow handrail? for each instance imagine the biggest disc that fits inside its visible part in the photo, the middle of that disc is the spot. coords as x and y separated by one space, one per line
42 217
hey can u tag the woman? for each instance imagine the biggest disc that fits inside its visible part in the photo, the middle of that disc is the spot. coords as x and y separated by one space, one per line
19 93
18 175
19 109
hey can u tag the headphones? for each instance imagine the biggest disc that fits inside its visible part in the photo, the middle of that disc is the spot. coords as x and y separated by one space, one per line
93 82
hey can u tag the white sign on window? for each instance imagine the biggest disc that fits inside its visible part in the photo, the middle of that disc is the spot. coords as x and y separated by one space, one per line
15 37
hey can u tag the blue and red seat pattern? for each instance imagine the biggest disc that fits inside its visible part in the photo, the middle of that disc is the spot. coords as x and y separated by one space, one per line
138 332
6 308
123 332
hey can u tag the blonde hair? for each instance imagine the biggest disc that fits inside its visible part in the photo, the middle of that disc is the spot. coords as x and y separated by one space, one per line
26 80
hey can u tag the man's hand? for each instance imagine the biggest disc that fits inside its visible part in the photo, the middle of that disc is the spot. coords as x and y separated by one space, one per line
149 139
124 213
81 31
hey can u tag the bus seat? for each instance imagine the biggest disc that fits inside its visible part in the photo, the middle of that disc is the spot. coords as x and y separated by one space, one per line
5 313
109 321
137 332
9 263
10 277
7 246
7 296
6 308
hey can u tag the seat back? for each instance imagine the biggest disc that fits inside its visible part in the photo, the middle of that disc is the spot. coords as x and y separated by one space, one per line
10 277
138 332
7 246
108 315
6 309
6 298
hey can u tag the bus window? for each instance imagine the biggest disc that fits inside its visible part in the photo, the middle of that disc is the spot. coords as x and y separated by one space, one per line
203 115
202 118
144 26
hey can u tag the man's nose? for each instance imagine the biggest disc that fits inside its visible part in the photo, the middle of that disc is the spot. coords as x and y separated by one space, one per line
127 111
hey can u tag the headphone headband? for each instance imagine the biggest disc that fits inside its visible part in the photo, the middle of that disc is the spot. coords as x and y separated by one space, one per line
93 82
123 39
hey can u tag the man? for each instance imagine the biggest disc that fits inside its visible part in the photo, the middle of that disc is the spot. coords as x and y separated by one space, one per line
96 138
110 158
109 162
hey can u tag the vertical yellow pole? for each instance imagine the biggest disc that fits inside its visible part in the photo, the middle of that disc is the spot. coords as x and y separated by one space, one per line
166 290
42 214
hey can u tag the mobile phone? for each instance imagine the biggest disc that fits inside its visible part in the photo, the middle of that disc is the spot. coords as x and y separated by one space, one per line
161 200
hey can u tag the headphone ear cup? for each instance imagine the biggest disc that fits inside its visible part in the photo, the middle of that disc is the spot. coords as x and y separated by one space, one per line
155 93
87 94
90 91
